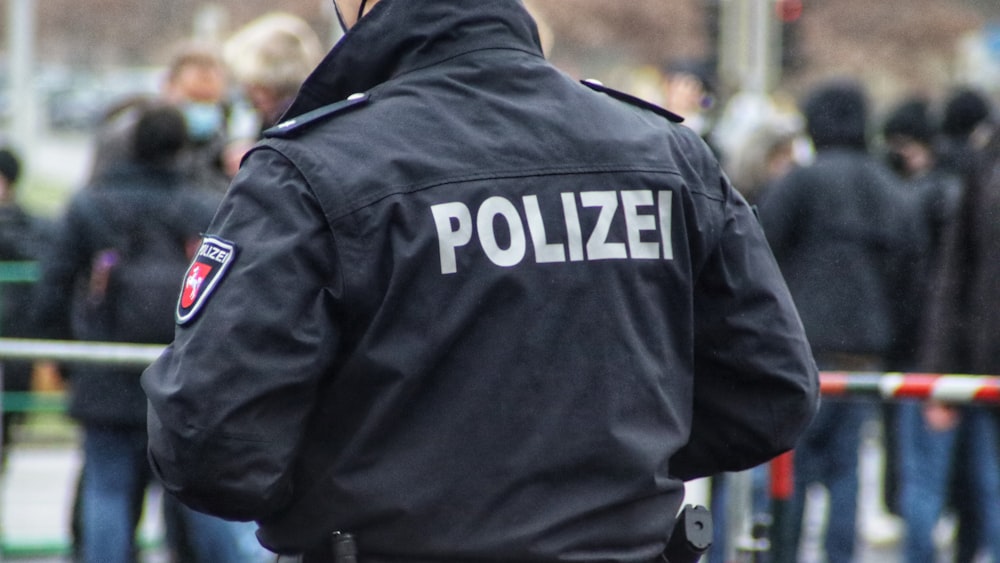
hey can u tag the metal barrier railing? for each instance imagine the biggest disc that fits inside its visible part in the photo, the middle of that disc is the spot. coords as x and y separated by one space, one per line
104 353
32 402
18 272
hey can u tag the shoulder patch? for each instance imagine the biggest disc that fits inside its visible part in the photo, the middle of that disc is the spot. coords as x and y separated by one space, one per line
596 86
290 126
204 275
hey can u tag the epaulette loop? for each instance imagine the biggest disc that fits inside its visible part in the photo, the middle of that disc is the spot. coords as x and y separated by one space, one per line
630 99
289 126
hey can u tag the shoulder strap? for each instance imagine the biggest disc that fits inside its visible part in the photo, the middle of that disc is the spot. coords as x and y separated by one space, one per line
597 86
288 127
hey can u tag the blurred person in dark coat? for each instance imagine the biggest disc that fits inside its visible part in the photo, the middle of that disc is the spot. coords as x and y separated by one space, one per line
844 237
964 120
910 133
960 337
23 237
137 197
920 442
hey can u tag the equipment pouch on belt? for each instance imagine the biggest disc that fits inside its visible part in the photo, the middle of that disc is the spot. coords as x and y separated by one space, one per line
692 535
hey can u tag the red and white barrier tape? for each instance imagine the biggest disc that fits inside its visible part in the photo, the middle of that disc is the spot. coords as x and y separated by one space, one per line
954 388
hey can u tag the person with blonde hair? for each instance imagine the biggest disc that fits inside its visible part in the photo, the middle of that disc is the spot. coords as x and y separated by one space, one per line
271 58
767 153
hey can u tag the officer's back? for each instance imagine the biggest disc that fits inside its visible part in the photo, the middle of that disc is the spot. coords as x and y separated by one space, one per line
504 283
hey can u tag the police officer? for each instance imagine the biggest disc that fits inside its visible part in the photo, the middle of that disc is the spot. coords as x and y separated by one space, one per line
463 307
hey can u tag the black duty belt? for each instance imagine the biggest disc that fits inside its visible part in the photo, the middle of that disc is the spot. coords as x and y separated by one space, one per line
689 540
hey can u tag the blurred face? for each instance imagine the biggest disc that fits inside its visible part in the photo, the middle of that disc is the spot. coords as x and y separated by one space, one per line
198 89
6 191
780 160
197 83
908 156
265 101
685 94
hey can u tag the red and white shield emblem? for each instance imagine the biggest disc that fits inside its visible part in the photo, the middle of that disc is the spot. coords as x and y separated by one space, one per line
203 276
193 282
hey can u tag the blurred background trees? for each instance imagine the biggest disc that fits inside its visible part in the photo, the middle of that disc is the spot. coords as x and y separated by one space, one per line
904 42
72 59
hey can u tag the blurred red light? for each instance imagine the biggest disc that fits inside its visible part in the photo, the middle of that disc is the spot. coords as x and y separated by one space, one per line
789 11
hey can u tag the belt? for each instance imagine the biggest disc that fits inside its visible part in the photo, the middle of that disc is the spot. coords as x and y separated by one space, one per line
326 557
342 549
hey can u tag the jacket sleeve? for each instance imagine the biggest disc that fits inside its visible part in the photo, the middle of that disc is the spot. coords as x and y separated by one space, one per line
756 386
230 398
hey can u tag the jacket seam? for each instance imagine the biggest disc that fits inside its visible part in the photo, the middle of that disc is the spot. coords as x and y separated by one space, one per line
352 207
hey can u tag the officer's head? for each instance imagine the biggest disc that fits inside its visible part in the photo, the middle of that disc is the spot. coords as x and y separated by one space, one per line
350 11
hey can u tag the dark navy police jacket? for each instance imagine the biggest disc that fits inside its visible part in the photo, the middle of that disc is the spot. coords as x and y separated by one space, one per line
479 310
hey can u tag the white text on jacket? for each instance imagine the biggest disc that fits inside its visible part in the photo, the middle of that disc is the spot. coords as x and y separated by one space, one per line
641 210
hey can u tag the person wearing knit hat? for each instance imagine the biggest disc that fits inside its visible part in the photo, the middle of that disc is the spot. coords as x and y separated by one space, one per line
23 237
909 137
911 118
964 111
961 335
916 432
948 453
846 240
836 116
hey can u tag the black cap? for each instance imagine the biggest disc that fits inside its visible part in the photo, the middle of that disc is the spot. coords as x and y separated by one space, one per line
836 115
701 70
159 135
910 119
963 112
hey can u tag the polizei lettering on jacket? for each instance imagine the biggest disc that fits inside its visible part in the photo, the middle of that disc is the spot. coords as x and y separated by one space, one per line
214 253
647 217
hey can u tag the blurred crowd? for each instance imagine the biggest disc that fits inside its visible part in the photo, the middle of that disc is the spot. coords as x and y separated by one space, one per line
109 266
881 221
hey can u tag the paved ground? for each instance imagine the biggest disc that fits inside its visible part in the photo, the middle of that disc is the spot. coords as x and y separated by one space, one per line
36 503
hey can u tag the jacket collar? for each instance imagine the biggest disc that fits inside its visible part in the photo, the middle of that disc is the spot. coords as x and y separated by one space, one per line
399 36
